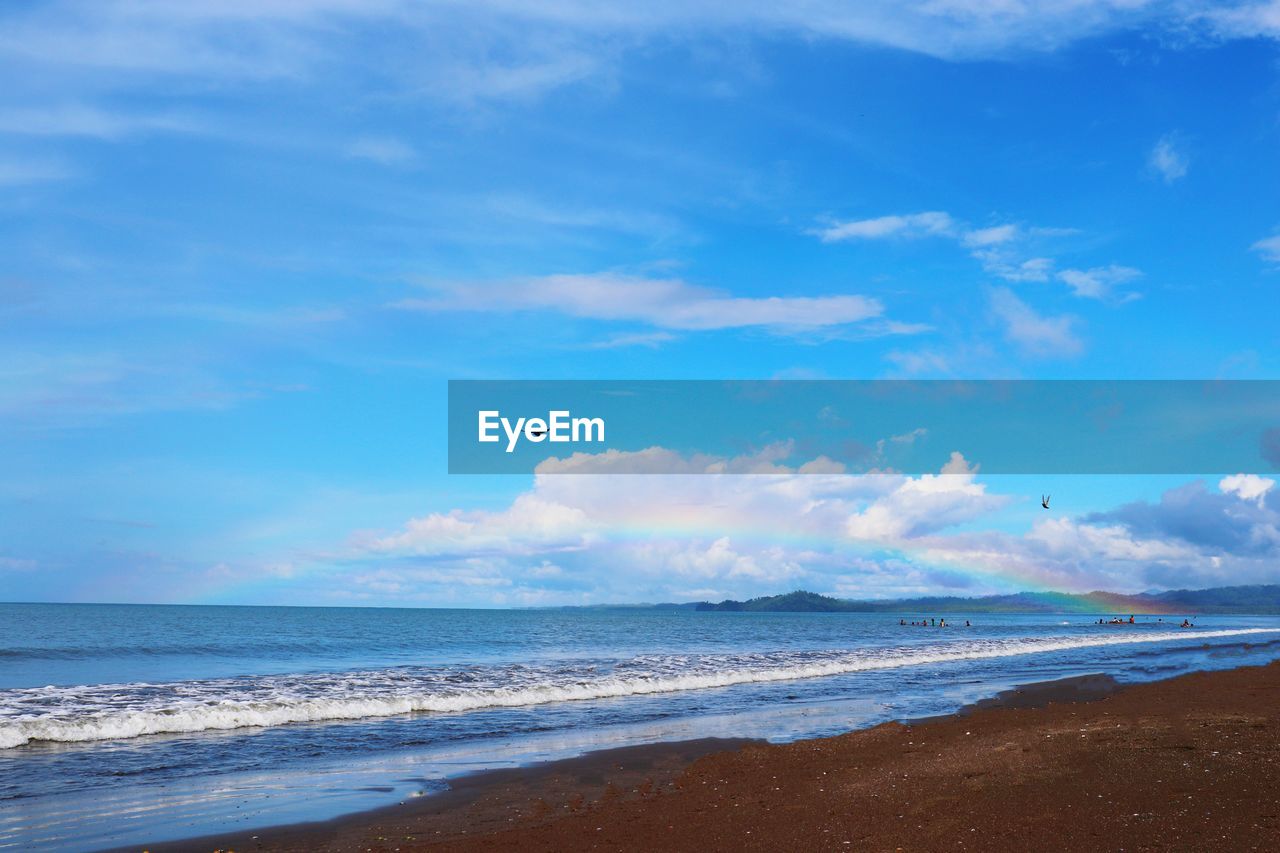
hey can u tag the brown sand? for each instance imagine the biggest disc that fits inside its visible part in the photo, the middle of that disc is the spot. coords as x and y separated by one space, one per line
1187 764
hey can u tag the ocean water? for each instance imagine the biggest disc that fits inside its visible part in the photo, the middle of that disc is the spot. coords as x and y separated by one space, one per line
124 724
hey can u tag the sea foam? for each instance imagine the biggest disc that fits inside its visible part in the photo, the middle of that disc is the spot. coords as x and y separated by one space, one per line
121 711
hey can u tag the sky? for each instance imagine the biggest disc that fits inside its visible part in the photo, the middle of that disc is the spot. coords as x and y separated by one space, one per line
246 245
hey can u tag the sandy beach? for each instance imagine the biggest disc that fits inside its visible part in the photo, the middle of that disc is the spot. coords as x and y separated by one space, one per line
1189 764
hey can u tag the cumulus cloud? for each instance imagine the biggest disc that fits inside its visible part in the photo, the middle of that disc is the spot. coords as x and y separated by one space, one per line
1167 161
1035 334
1249 487
531 522
1241 520
662 460
716 561
664 303
925 504
618 537
1190 537
719 530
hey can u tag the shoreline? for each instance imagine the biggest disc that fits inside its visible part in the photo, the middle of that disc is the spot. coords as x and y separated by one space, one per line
483 799
524 808
588 776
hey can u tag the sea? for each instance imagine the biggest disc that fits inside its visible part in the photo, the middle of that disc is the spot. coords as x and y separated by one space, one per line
132 724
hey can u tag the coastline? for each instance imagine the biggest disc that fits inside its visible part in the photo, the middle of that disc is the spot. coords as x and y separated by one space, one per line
1057 765
483 801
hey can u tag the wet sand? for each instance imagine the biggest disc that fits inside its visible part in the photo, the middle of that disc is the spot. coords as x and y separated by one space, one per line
1192 763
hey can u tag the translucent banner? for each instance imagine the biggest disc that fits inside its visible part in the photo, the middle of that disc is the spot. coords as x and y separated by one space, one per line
817 427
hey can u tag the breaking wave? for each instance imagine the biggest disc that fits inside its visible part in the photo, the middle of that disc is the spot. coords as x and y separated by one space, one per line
120 711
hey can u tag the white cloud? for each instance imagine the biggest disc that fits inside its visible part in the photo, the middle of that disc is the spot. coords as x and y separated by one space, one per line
661 460
512 49
929 223
81 120
635 339
715 561
17 171
925 504
383 150
481 78
1243 20
1098 282
992 236
502 47
663 303
1001 263
699 535
724 529
909 438
1247 487
1066 539
1035 334
1167 160
957 357
1001 249
530 522
916 362
1269 248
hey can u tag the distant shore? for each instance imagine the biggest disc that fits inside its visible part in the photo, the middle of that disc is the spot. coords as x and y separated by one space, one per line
1188 763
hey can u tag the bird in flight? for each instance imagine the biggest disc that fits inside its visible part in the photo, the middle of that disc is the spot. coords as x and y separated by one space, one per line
1044 501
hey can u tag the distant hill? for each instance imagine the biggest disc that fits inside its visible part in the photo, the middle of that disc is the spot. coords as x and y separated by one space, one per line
1225 599
665 605
799 601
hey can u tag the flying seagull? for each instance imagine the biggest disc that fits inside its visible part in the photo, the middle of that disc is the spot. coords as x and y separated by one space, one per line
1044 501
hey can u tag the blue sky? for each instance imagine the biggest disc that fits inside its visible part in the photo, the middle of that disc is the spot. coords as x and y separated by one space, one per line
246 245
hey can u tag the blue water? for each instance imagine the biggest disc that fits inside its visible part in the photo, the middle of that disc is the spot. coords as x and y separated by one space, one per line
123 724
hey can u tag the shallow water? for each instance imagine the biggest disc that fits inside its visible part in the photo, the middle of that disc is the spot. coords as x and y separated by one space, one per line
123 724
